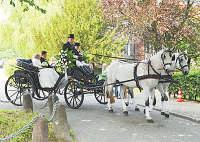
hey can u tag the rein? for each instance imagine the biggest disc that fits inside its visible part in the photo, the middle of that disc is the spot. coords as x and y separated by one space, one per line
114 57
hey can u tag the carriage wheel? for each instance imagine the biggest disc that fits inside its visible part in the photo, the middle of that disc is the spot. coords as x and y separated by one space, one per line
73 95
40 95
14 89
100 94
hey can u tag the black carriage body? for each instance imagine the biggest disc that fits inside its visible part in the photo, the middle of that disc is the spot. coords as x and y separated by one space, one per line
26 67
81 83
26 78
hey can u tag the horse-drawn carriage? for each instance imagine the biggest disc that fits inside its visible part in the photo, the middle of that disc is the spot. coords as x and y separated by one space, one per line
27 78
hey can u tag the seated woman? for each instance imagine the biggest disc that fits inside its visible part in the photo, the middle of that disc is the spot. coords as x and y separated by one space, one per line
36 61
47 76
80 62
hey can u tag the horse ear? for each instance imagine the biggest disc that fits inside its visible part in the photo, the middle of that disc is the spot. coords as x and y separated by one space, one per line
172 49
173 57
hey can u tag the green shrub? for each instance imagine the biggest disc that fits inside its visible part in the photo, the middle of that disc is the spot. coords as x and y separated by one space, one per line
189 84
10 66
13 120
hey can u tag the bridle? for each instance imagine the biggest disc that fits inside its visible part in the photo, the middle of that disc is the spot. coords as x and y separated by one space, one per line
179 59
163 59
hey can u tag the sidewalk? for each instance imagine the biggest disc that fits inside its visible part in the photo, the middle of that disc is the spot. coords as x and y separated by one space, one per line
188 109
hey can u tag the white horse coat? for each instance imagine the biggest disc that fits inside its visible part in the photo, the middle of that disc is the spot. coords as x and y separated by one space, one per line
118 71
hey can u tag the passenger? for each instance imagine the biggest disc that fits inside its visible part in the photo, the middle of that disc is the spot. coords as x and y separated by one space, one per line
86 68
43 59
36 61
78 55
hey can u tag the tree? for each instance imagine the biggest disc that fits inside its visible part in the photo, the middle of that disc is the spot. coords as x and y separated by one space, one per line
32 31
172 23
27 3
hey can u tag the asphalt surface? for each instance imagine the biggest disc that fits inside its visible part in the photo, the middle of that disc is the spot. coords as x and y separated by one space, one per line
93 123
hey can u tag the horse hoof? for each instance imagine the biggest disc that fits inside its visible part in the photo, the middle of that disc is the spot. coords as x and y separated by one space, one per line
111 110
166 115
162 113
125 113
137 109
127 104
150 121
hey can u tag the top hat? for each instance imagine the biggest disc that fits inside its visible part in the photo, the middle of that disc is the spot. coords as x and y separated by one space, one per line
71 36
76 44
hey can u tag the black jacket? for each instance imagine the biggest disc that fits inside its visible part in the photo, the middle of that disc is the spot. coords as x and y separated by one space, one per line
45 60
68 45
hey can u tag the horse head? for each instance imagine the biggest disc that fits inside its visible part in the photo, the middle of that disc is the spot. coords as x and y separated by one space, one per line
182 62
166 59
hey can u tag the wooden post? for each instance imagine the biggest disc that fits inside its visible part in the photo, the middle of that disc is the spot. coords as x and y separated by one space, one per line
27 101
40 131
60 125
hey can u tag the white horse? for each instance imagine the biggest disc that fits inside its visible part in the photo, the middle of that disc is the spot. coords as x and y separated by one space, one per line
149 71
181 62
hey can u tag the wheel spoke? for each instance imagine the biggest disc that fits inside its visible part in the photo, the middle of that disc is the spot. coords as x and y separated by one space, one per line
13 94
69 97
78 99
76 102
16 98
71 100
12 90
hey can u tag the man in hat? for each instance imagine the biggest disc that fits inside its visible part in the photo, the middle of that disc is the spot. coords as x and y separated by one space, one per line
67 46
69 43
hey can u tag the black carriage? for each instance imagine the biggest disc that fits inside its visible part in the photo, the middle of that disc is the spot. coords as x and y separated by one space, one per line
25 78
82 81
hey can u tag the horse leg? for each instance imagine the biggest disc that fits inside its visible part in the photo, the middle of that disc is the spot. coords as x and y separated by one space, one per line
109 98
122 93
126 96
152 100
132 100
165 99
147 93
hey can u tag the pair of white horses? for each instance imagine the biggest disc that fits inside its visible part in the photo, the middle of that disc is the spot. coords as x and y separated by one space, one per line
146 75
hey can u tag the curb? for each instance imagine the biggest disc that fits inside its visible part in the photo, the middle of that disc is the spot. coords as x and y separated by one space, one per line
177 115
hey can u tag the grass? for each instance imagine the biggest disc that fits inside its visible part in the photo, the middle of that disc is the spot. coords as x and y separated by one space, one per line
11 121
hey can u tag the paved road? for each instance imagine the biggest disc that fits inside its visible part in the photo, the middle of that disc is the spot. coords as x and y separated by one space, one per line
93 123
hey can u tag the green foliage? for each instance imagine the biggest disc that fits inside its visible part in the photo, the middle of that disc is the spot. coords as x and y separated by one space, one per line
32 31
10 121
29 3
189 84
10 67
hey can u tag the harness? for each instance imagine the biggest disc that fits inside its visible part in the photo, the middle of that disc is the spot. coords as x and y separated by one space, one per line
155 75
182 66
148 76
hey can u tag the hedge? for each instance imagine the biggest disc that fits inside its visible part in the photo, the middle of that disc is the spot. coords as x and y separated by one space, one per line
189 84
